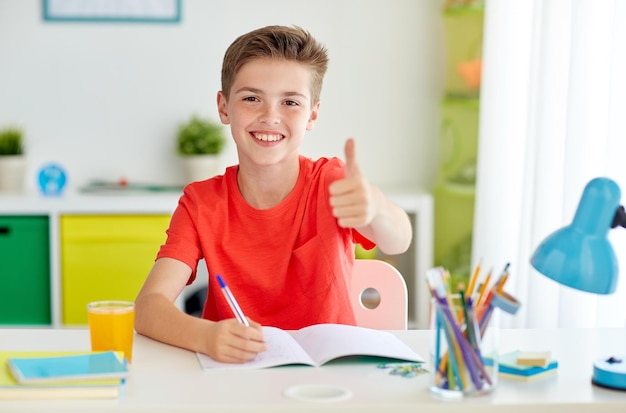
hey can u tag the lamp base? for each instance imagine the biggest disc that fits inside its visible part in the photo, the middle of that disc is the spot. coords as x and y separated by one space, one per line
610 373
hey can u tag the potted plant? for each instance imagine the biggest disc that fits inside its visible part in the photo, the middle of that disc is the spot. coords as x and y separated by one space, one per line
12 160
199 142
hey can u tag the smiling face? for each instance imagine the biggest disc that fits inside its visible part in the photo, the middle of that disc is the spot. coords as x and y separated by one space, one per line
269 110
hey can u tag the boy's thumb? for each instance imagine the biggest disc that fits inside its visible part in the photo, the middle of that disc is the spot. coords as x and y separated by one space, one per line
352 168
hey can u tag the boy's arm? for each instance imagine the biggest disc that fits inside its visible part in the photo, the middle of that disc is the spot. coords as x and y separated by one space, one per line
157 317
358 204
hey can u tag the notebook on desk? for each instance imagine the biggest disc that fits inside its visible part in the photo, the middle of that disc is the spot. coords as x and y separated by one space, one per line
75 384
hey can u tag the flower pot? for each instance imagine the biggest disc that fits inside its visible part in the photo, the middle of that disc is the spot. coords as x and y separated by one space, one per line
12 173
200 167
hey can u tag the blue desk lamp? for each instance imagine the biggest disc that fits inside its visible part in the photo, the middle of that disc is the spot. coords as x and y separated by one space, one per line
580 256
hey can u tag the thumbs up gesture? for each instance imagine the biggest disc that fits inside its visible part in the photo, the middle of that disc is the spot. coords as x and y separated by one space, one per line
351 198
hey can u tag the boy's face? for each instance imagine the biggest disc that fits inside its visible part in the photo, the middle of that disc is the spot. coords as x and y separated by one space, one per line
269 110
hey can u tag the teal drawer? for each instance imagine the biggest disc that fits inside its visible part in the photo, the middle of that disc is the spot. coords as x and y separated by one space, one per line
25 270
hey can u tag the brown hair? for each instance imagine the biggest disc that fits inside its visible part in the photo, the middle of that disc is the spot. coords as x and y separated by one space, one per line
276 42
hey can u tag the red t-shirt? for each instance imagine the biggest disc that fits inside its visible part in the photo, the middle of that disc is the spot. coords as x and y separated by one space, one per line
288 266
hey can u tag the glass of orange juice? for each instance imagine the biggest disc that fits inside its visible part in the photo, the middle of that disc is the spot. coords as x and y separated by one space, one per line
112 326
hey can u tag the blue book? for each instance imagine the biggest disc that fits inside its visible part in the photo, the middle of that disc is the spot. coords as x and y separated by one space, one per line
67 368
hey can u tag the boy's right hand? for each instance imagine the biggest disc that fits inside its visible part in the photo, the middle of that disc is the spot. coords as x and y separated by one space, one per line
230 341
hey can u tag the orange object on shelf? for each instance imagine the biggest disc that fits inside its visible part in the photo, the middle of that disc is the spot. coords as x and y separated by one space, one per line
471 71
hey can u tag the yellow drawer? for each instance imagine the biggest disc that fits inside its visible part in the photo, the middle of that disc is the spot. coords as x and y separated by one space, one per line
111 228
105 257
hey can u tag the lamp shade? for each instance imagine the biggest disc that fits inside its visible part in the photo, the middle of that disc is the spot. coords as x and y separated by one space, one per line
580 254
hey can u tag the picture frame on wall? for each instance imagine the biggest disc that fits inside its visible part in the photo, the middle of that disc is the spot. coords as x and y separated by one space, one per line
140 11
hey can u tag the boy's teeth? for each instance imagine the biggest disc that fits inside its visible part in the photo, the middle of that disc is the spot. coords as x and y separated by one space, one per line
267 138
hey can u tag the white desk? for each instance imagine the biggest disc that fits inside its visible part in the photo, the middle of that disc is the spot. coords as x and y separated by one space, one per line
168 379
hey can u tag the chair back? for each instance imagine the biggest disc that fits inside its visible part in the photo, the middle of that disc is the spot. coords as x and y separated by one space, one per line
376 280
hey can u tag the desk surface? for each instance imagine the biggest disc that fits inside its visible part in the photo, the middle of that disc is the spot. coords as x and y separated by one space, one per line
166 378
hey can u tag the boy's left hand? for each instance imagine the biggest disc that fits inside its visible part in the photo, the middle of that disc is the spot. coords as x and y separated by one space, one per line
351 198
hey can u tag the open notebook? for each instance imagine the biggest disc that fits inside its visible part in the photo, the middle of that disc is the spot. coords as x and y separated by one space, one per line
318 344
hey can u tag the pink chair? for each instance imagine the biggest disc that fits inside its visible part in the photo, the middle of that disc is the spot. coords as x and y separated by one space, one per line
378 282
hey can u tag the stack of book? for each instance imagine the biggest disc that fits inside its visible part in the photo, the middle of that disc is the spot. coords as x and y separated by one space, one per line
524 366
61 375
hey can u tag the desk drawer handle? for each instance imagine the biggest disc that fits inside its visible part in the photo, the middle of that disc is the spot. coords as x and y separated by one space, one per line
5 230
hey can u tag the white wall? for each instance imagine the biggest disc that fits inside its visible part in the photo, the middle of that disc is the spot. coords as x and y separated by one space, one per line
104 99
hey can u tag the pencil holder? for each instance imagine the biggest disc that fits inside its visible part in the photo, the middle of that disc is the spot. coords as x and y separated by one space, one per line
463 335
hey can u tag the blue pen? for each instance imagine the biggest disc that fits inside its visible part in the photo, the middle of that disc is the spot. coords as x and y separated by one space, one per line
232 302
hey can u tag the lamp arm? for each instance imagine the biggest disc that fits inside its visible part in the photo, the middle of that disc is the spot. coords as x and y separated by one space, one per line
619 220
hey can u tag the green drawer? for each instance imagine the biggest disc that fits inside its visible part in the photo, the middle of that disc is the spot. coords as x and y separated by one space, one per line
25 270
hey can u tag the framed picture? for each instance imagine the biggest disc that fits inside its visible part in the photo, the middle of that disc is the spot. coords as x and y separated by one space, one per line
148 11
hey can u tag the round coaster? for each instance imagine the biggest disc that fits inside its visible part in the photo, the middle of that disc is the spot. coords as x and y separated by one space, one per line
318 393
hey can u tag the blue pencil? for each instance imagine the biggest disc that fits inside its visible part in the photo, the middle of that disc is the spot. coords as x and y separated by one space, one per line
438 327
454 365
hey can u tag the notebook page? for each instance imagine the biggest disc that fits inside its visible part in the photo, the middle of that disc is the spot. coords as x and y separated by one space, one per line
282 349
325 342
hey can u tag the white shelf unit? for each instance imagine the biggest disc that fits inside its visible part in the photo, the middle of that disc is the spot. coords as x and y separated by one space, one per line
413 264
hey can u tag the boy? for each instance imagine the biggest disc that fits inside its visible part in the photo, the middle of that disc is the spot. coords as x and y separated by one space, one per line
280 228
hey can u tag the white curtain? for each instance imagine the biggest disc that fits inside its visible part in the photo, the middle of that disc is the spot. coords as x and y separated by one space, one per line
552 117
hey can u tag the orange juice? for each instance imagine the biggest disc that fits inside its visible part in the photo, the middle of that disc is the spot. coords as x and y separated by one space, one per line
111 326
